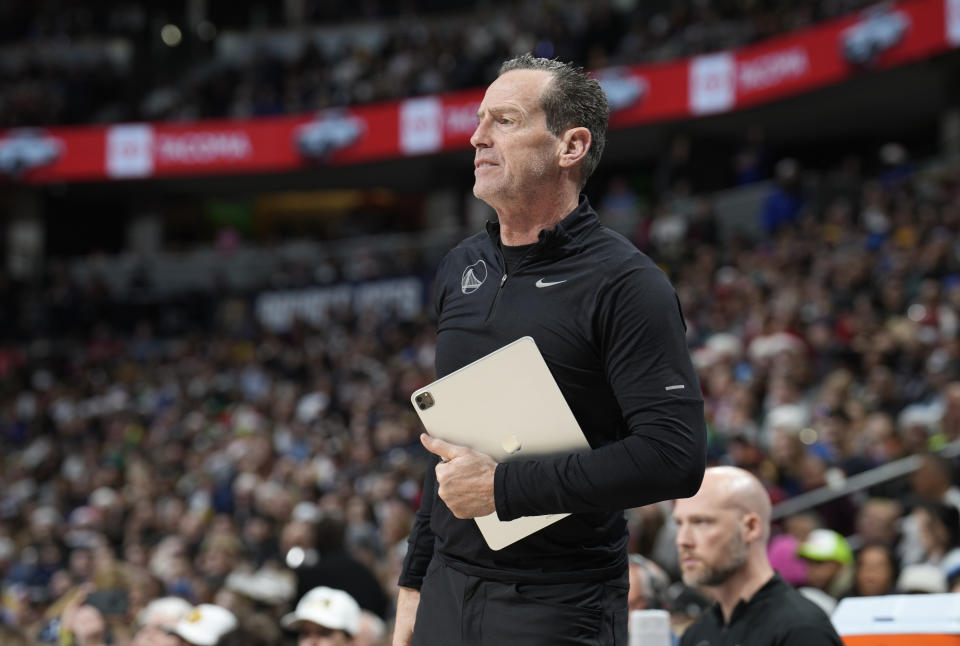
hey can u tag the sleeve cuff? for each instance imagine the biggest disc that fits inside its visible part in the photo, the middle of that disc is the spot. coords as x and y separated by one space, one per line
500 492
407 580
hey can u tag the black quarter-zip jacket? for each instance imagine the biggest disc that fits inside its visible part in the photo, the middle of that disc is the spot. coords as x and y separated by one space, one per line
776 615
609 326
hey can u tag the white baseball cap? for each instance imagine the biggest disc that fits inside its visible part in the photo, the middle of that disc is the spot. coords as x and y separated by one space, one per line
328 608
922 578
205 625
165 611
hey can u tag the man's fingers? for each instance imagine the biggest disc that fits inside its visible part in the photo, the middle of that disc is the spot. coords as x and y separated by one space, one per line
442 448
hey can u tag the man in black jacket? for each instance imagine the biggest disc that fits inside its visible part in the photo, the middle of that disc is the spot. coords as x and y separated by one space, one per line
722 537
610 328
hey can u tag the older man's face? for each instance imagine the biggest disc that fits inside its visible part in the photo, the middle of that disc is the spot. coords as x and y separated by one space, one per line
515 152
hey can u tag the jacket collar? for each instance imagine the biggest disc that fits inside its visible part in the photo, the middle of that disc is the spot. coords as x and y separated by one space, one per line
745 604
562 238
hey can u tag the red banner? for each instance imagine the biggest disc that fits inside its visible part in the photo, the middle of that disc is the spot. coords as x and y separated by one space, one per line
879 38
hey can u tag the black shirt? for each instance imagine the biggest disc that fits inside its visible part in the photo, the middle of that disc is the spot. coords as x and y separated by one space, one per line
777 615
513 255
609 326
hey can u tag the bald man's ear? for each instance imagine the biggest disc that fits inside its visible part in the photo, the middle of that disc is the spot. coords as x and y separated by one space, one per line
753 527
574 144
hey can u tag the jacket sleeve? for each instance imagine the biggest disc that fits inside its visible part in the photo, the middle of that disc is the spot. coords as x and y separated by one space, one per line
420 543
640 334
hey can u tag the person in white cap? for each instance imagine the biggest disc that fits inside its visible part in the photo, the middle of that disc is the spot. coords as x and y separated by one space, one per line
206 625
922 578
154 620
324 617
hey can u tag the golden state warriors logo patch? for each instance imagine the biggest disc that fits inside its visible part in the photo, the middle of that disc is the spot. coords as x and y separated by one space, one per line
473 276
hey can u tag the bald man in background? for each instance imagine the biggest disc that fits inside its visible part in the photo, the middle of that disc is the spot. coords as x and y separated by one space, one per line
722 535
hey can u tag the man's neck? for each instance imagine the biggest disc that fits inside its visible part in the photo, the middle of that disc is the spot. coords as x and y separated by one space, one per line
740 587
522 224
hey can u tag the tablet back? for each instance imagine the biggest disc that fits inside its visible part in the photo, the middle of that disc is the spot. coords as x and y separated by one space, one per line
508 406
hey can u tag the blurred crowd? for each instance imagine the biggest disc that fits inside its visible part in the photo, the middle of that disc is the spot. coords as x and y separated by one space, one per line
107 62
185 470
234 471
231 467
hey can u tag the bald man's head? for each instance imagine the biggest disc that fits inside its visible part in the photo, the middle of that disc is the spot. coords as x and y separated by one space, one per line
735 487
723 528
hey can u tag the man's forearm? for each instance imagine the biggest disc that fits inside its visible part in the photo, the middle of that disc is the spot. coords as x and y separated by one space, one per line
408 600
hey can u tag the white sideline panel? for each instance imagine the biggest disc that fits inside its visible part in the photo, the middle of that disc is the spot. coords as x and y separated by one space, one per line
899 614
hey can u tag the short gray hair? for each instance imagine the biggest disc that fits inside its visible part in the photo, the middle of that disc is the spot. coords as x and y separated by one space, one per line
572 100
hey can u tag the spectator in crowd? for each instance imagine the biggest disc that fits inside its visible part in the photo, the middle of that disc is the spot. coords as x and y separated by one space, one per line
783 206
157 618
86 627
324 617
722 534
648 584
876 571
208 625
921 578
750 161
934 480
82 623
782 553
937 532
830 565
877 522
950 421
337 568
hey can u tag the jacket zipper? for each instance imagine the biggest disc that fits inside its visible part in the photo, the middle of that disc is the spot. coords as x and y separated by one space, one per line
503 281
496 299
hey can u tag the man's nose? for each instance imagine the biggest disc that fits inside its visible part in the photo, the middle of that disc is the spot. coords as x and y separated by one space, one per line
479 138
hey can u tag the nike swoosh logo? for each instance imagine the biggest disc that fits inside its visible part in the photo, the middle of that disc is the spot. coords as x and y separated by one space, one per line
543 283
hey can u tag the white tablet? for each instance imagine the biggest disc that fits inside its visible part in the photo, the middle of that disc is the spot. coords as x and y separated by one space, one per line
506 405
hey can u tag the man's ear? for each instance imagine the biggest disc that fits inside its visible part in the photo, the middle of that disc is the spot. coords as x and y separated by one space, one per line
574 144
753 526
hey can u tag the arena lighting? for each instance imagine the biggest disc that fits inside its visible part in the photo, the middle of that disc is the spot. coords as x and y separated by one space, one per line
171 35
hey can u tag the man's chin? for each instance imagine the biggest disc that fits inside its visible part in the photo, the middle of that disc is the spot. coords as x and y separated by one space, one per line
483 192
692 578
